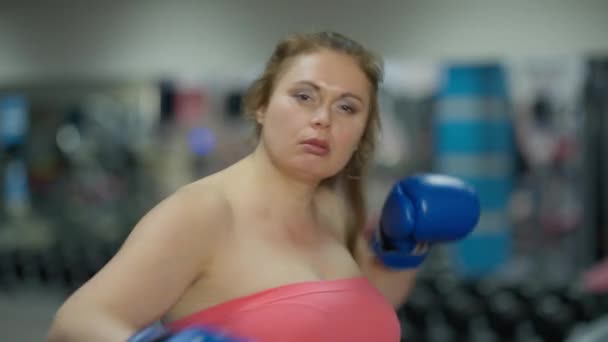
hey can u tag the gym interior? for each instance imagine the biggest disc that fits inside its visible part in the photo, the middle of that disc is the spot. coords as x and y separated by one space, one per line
107 107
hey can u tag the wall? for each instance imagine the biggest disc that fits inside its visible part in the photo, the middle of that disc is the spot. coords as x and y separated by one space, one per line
143 39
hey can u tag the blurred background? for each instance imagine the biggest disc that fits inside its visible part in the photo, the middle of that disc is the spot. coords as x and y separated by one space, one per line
107 107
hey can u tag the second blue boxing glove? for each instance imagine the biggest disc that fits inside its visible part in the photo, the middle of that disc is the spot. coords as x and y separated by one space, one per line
158 333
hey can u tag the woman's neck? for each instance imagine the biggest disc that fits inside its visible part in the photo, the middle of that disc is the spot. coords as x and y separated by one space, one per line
293 198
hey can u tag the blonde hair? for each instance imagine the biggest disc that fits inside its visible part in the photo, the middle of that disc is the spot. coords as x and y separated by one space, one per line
351 178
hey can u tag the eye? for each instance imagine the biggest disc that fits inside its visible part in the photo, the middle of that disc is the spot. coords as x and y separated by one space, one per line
347 108
303 97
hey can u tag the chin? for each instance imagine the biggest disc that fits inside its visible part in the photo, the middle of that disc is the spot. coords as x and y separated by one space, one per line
317 175
308 170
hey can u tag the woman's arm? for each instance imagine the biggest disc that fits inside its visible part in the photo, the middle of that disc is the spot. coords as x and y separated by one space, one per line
164 254
395 285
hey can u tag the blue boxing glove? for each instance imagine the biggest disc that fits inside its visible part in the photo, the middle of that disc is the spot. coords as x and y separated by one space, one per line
158 333
420 211
200 335
153 333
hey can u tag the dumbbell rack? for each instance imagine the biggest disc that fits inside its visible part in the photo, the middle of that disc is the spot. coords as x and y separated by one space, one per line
63 267
443 308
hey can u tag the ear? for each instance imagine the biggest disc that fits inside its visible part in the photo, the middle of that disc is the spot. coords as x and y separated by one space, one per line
356 147
260 115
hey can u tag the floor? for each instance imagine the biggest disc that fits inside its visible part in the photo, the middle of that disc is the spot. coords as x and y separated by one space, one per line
26 314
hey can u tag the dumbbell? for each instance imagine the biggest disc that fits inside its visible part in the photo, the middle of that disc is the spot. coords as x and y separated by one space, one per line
25 267
584 306
552 318
419 305
8 279
461 308
409 333
48 268
505 313
70 264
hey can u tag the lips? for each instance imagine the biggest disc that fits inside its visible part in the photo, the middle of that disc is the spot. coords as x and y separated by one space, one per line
316 146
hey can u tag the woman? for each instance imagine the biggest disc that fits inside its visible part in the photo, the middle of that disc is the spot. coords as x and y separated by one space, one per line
288 217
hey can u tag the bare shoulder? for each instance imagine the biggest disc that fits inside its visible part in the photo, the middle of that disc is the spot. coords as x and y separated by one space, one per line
199 210
184 228
168 249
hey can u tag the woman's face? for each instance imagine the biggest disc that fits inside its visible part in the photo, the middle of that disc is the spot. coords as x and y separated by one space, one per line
316 114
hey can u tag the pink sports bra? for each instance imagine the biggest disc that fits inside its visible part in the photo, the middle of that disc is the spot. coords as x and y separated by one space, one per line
349 309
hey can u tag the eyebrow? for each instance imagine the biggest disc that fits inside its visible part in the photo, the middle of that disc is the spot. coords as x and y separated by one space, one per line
317 88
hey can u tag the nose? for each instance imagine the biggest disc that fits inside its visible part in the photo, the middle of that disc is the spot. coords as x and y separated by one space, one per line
321 118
